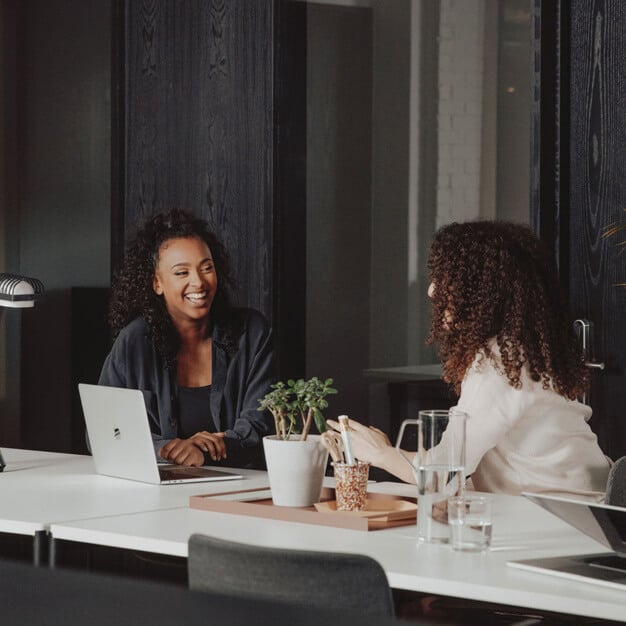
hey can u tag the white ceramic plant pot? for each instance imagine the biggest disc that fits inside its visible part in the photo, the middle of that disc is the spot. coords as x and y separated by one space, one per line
295 469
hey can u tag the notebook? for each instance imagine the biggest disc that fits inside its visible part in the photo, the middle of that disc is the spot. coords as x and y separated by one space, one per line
121 442
606 524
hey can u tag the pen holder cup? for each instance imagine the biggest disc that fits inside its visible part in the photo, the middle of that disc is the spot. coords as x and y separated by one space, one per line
351 485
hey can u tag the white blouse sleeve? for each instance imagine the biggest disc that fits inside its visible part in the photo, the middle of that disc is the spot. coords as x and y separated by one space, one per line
493 407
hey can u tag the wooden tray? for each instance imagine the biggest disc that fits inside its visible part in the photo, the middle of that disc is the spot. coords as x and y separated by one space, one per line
258 503
383 509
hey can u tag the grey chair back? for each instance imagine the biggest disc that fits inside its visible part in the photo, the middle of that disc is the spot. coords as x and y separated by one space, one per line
310 578
616 484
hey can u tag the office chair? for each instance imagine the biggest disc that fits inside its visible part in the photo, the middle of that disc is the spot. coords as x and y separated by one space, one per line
616 484
313 579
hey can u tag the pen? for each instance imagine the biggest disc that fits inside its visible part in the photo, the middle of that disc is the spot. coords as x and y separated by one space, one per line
344 425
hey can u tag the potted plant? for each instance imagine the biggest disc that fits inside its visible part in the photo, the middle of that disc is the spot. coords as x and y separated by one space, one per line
296 461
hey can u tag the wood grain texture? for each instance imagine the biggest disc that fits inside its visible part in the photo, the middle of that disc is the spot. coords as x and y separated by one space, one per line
597 191
199 124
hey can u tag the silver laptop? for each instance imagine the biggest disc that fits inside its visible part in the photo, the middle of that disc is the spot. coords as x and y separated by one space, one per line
606 524
121 443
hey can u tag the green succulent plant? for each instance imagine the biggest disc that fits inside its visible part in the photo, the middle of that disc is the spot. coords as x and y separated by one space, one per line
298 402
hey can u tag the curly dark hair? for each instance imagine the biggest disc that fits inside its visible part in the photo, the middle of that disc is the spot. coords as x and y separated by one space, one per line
497 279
132 292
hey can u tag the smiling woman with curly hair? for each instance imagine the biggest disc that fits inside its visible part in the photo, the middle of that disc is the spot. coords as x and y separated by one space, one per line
133 293
507 345
201 363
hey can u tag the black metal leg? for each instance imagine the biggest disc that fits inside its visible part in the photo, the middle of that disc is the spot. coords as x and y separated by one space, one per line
40 547
52 552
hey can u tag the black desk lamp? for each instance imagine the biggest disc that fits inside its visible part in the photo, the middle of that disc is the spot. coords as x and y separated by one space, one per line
18 292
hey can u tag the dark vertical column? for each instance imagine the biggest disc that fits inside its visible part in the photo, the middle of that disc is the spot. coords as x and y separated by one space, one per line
339 200
198 127
597 159
549 167
10 11
578 165
118 130
289 200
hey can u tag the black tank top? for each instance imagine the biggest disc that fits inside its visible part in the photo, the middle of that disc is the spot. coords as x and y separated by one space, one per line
195 410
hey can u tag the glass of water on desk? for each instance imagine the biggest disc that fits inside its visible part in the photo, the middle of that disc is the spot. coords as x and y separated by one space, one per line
469 519
437 458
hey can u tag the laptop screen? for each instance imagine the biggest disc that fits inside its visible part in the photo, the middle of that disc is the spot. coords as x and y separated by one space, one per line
121 442
606 524
613 523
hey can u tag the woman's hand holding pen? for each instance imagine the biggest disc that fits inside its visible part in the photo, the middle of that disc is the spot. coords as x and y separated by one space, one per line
191 451
367 442
370 444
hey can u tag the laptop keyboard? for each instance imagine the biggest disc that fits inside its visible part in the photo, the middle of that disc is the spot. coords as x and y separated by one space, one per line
176 473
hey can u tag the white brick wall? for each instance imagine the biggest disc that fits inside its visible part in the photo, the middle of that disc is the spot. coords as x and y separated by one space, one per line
460 106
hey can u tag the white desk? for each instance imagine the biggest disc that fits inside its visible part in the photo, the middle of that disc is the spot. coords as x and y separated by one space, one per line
521 530
39 488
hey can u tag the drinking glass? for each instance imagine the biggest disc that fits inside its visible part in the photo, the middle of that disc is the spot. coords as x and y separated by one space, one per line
438 463
469 518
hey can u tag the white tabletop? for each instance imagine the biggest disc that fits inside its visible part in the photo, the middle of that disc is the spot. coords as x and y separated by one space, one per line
38 488
521 530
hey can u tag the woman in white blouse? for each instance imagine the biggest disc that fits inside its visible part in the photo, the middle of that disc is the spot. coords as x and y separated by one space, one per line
507 345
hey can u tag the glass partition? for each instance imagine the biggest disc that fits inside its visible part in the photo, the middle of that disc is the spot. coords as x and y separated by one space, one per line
418 114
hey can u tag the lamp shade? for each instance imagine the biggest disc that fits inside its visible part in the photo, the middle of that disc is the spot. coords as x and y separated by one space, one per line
18 292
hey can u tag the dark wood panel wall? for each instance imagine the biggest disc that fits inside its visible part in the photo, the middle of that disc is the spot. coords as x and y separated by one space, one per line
578 180
211 110
597 161
198 118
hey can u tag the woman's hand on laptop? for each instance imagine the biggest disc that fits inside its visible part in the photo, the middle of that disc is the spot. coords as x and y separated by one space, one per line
213 443
191 451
